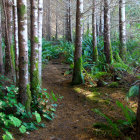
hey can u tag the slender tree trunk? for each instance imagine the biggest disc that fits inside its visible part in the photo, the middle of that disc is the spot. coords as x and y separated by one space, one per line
97 27
49 20
122 29
1 51
24 87
107 42
7 6
40 23
94 32
16 40
88 20
138 119
56 34
68 21
83 29
101 26
77 72
34 71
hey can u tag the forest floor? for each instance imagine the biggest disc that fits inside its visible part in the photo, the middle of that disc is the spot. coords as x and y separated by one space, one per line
74 115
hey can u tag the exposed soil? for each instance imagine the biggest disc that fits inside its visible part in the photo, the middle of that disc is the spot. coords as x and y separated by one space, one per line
74 118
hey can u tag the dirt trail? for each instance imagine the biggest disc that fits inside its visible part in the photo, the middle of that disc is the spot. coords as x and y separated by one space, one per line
74 116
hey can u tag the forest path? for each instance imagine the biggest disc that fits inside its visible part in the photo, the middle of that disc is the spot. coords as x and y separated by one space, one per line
74 116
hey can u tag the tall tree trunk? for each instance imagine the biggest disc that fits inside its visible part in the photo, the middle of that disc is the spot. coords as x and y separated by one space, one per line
88 21
56 34
77 72
97 26
40 23
68 21
24 87
138 119
122 29
101 26
49 20
107 42
7 6
34 71
83 29
1 51
94 32
16 40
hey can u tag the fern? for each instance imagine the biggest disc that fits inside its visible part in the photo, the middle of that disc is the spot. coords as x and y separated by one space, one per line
114 127
130 116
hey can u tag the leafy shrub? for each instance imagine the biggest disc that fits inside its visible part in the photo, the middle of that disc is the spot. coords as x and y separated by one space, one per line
133 91
13 113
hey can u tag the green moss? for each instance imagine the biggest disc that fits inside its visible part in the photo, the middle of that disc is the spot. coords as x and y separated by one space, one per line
13 56
35 83
77 74
111 54
23 10
113 85
118 58
95 54
29 99
36 40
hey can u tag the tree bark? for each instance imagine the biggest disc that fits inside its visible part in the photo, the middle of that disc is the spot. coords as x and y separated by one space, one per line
40 23
49 20
107 42
77 72
94 32
138 119
24 87
34 70
1 51
16 40
122 29
88 23
7 6
68 21
56 34
101 26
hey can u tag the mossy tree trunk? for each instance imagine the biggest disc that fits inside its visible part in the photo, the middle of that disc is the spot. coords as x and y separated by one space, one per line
34 70
40 23
7 6
16 40
1 51
122 29
107 42
138 119
77 72
24 87
94 32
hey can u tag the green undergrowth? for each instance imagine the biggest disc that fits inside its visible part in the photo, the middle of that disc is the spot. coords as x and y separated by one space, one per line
116 127
14 115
